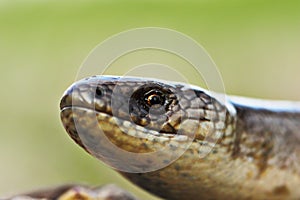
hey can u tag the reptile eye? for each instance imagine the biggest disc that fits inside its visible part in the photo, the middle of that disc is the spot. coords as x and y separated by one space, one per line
99 92
154 99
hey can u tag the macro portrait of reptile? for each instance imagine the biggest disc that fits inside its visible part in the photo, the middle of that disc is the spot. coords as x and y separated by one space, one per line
250 147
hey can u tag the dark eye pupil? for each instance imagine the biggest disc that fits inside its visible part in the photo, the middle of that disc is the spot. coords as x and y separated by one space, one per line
99 91
154 99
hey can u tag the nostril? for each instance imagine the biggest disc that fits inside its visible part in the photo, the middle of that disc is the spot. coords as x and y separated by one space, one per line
99 92
66 101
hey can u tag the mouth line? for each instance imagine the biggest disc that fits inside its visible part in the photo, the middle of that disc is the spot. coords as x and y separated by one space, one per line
144 132
71 107
82 107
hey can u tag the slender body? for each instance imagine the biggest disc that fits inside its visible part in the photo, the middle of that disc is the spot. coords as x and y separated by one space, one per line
214 146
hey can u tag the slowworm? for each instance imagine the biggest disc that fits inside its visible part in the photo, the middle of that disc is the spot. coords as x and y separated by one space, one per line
201 144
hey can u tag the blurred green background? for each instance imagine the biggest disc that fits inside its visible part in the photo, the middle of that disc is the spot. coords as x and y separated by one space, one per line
255 44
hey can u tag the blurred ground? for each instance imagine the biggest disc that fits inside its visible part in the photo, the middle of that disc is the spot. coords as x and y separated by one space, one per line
255 44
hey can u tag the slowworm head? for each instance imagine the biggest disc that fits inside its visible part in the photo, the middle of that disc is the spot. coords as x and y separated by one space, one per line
139 115
192 144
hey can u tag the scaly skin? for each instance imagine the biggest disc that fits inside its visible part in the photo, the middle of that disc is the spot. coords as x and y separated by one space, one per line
209 147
